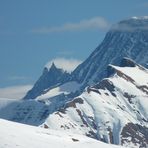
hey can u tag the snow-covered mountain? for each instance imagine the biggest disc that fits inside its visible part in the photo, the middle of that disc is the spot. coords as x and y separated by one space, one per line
98 99
114 110
16 135
128 38
28 112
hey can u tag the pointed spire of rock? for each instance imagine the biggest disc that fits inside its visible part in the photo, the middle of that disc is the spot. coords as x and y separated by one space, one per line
53 66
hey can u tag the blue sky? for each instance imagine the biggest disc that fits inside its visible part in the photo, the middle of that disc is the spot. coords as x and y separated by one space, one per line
33 32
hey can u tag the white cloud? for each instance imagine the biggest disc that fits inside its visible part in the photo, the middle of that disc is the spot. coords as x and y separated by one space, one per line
66 64
92 23
130 27
14 92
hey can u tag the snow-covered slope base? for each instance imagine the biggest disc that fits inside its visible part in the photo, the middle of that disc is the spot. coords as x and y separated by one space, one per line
35 112
28 112
114 110
16 135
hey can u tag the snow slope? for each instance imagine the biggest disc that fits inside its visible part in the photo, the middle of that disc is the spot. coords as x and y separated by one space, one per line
35 112
114 110
16 135
28 112
67 88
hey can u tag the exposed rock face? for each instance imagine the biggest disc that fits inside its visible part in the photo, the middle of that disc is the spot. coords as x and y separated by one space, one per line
136 134
49 79
128 41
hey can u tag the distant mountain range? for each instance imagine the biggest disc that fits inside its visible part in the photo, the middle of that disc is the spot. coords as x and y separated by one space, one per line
98 99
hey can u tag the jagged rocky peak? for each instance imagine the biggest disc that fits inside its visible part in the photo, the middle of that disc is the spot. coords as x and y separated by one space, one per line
117 44
51 76
53 67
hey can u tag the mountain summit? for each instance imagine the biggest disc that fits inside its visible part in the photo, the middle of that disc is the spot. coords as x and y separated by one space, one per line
49 79
132 24
128 38
119 42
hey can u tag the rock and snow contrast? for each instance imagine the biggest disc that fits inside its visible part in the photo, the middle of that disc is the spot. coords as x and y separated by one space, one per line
51 77
114 110
104 98
35 137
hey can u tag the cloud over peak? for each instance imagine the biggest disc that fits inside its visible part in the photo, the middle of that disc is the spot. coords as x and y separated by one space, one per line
86 24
